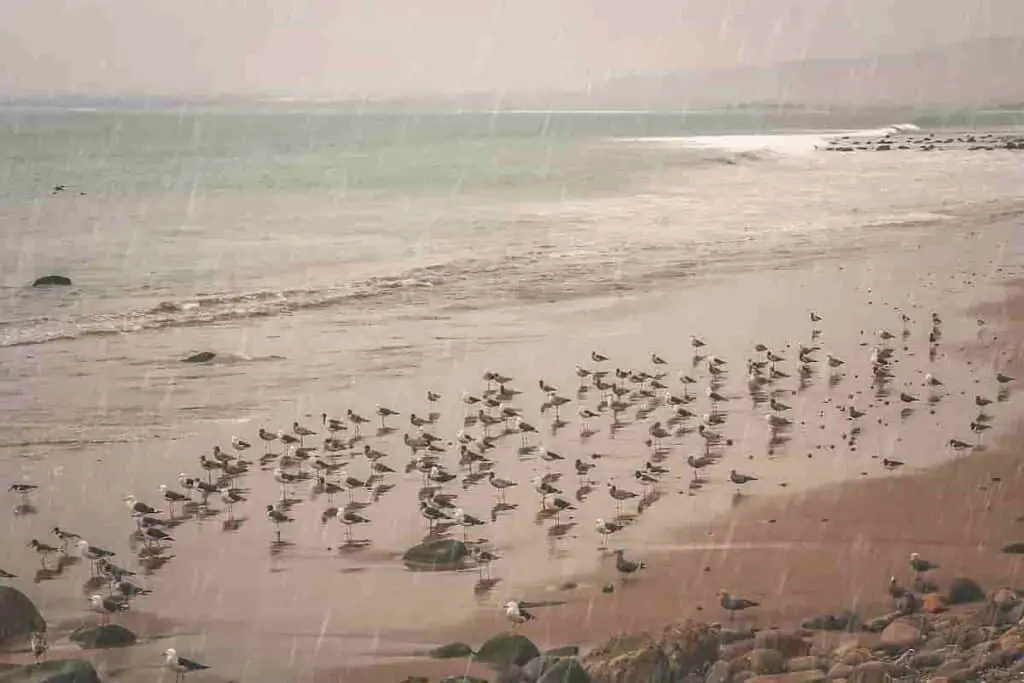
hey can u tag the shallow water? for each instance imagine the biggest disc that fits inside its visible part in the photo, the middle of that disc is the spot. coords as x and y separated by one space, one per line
427 290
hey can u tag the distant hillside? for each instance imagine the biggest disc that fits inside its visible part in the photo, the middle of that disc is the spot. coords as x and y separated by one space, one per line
970 74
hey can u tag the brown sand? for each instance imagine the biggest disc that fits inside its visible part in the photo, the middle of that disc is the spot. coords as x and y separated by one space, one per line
823 550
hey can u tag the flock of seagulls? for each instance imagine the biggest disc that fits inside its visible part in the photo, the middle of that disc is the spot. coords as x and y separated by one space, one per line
325 458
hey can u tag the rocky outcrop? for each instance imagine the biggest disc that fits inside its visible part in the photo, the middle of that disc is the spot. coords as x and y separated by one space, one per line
102 637
678 651
507 649
436 555
53 671
19 618
963 590
201 357
52 281
451 651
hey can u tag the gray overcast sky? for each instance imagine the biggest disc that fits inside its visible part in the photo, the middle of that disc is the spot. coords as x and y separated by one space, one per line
346 47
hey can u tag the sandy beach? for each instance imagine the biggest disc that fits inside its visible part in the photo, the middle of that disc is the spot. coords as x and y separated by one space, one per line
822 528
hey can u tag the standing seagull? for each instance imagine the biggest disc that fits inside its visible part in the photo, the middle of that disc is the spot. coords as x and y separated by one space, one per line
733 605
619 495
301 432
267 438
106 606
356 419
920 565
44 550
39 645
278 518
626 567
740 479
516 613
606 529
385 413
179 665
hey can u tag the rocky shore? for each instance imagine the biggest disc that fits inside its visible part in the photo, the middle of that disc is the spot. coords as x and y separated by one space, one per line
926 142
959 635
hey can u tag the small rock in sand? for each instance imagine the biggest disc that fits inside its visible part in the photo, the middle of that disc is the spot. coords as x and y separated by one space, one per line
900 635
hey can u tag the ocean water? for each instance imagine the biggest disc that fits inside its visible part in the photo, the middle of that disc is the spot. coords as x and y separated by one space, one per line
335 261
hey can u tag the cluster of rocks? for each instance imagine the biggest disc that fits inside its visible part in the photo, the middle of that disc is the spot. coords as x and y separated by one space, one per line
19 619
927 142
956 637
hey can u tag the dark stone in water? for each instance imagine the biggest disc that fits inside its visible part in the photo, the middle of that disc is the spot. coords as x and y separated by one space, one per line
102 637
507 649
843 621
53 671
201 357
963 590
437 555
48 280
452 651
1014 548
19 617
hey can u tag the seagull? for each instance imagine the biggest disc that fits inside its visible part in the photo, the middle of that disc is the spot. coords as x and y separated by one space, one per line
4 574
583 468
695 342
891 464
301 432
466 520
483 559
23 489
834 362
172 497
740 479
43 549
606 529
384 413
267 438
278 518
106 606
777 405
127 589
619 495
931 380
39 645
230 497
179 665
920 565
524 429
733 605
698 463
351 519
908 398
585 415
65 536
657 360
516 613
815 318
626 567
597 357
1003 379
240 445
93 553
895 589
356 419
981 401
499 484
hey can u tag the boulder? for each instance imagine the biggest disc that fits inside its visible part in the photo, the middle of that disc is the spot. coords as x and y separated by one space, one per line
102 637
19 618
1014 548
507 649
718 673
565 670
737 649
875 672
900 635
564 651
437 555
451 651
763 661
789 645
807 664
927 660
52 280
201 357
933 603
798 677
664 657
842 621
879 624
963 590
839 671
53 671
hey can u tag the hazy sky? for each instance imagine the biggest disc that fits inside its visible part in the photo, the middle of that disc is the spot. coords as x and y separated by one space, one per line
345 47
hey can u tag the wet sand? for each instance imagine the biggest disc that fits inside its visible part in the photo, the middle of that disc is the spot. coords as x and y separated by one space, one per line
257 611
